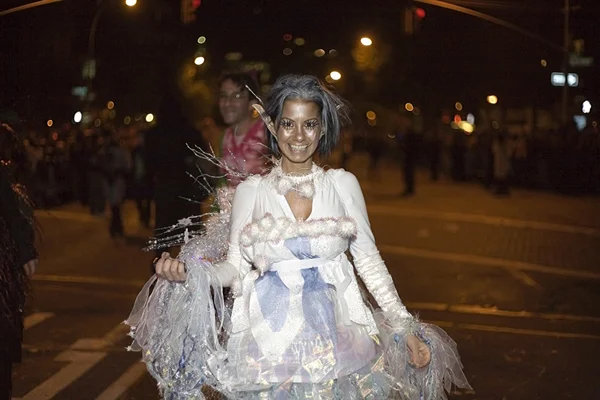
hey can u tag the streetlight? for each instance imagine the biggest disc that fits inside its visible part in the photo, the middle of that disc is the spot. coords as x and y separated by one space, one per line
91 62
199 60
366 41
335 75
492 99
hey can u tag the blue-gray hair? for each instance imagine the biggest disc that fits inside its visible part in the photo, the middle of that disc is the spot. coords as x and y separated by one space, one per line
334 110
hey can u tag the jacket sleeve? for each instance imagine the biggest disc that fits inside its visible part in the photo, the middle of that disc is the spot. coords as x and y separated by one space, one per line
19 219
367 260
237 264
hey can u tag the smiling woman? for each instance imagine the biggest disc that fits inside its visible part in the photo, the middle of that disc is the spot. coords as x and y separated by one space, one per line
299 327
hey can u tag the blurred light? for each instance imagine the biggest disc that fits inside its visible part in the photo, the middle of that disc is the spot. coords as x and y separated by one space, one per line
446 119
97 123
138 117
236 56
586 107
54 136
77 117
112 114
333 52
149 117
492 99
470 118
457 118
335 75
328 79
202 40
287 37
544 63
495 125
299 41
465 126
287 51
409 107
458 105
580 122
50 123
319 53
131 3
372 122
371 115
199 60
110 105
420 13
417 111
127 120
366 41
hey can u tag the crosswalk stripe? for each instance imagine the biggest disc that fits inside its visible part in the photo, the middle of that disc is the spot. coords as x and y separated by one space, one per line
80 363
36 318
134 373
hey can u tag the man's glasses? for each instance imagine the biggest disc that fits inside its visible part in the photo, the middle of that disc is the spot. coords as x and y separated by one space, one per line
237 96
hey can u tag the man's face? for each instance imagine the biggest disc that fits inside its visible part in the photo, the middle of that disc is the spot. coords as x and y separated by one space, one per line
235 104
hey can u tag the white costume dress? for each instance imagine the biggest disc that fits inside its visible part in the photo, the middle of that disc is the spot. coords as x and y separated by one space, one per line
300 327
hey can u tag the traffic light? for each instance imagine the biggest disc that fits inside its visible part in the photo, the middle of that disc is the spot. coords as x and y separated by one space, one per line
188 10
412 19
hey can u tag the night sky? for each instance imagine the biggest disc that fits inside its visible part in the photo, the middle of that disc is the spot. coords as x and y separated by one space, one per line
453 57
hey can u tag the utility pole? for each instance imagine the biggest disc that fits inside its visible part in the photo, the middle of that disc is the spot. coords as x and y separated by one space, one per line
566 45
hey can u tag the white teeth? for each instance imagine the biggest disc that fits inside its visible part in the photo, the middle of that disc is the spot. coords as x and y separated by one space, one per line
298 148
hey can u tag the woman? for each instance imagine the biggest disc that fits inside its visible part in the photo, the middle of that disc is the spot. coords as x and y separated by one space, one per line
299 327
18 258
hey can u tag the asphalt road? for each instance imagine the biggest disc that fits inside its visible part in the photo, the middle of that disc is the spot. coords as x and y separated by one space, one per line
515 281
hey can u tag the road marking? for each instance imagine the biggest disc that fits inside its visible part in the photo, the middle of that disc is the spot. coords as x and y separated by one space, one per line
492 311
524 278
133 374
32 320
68 215
483 219
96 280
487 261
79 363
103 291
515 331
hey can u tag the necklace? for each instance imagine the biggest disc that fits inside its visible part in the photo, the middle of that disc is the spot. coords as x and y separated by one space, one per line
304 185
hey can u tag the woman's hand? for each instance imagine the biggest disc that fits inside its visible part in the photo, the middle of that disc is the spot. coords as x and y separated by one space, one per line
170 268
30 267
419 352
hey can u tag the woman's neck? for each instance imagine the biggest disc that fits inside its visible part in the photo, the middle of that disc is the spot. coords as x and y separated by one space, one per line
291 168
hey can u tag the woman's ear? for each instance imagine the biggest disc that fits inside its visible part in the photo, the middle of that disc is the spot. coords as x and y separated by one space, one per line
267 120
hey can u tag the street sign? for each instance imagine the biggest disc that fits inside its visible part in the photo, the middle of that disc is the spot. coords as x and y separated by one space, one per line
578 61
558 79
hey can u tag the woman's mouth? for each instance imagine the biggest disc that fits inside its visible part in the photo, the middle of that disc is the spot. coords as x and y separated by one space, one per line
298 148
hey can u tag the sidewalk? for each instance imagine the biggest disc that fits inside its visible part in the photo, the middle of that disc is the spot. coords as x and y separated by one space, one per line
470 198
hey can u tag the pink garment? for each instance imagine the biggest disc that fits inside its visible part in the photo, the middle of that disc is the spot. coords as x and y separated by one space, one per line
246 154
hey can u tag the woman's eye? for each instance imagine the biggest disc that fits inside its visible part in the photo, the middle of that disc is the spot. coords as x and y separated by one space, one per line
312 125
287 125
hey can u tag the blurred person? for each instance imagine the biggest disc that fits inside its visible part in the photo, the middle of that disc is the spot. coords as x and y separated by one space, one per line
18 258
300 327
501 163
96 193
141 187
171 166
244 147
116 165
409 147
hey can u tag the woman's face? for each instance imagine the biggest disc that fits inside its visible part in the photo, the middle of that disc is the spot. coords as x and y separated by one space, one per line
298 133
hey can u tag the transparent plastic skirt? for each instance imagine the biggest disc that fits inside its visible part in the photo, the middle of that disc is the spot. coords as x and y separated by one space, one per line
181 329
